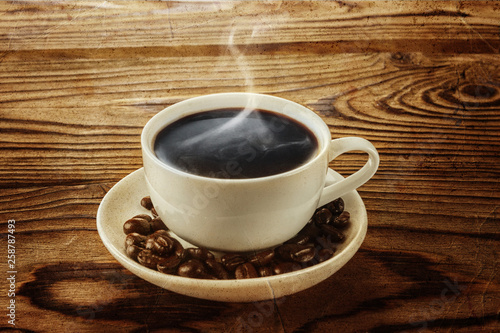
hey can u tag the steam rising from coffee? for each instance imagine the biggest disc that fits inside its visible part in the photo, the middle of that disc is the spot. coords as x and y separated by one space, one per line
238 142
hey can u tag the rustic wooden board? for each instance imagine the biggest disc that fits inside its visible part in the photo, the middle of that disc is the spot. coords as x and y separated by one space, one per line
336 25
420 79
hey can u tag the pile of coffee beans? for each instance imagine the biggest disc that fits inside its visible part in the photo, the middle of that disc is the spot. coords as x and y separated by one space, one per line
149 242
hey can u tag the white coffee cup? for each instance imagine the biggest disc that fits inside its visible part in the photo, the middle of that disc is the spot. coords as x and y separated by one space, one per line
247 214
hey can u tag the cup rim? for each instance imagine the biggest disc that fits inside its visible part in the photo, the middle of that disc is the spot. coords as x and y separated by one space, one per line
148 152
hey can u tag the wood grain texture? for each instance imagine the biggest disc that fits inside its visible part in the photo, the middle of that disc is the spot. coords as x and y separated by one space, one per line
107 24
420 79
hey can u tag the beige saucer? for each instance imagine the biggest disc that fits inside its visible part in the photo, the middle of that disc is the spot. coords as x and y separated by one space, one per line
123 202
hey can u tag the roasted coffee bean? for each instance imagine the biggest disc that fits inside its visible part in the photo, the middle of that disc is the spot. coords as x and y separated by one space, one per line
325 242
191 268
160 243
335 234
336 206
322 216
296 252
265 271
262 258
135 239
199 253
153 211
133 251
285 267
300 238
245 271
232 260
303 254
148 258
310 229
162 232
144 217
147 203
285 251
217 269
342 220
157 224
169 265
194 268
178 248
138 225
324 254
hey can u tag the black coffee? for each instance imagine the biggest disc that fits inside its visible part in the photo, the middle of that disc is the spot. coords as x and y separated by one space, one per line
235 143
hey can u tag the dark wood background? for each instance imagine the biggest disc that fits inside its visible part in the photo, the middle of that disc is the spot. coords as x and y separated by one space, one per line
421 80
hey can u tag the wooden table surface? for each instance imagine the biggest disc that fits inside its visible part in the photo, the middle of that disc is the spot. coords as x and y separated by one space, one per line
421 80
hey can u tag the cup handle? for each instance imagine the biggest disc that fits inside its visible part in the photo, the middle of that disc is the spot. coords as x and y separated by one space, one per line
341 146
